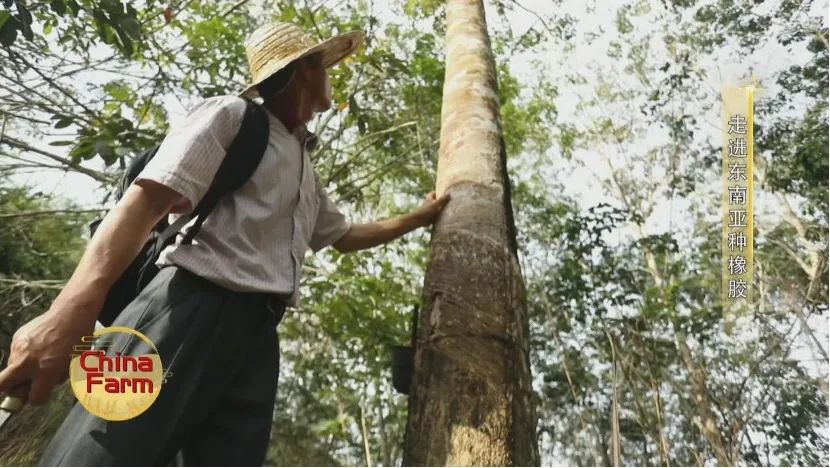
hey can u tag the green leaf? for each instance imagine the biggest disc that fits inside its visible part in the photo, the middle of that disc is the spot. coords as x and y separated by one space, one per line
105 151
131 27
27 32
4 16
64 122
83 150
118 91
126 43
73 6
58 7
23 14
8 32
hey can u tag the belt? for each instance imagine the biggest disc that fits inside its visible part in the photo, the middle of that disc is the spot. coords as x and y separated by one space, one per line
274 302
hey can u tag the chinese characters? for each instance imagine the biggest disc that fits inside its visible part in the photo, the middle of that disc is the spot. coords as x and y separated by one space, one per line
737 195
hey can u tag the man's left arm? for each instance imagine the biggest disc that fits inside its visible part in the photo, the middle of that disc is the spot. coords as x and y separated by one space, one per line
332 227
367 235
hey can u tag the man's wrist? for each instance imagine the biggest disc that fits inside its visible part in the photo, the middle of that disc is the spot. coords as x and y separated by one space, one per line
82 301
79 309
415 219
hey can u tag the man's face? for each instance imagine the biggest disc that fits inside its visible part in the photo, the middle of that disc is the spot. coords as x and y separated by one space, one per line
317 85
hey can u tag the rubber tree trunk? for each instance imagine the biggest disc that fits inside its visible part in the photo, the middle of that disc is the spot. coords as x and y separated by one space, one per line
471 401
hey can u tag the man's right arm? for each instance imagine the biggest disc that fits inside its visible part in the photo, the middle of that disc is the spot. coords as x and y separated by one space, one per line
174 180
41 349
115 244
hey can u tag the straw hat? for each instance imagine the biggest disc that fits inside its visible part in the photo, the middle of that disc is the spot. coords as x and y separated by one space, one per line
274 45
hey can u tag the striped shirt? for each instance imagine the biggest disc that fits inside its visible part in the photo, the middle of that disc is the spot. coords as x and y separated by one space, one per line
256 237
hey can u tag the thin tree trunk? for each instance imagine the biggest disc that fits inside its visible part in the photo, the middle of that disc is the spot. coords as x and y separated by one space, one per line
367 451
663 446
471 401
708 423
615 404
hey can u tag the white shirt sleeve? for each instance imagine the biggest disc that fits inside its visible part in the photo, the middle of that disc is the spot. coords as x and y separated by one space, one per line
331 223
191 153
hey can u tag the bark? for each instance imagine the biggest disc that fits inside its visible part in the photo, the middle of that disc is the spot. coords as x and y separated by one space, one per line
471 401
707 422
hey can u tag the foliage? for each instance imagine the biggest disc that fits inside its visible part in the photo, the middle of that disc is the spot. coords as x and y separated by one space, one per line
39 249
36 246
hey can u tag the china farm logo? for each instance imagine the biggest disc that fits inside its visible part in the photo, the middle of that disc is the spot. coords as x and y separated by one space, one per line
113 385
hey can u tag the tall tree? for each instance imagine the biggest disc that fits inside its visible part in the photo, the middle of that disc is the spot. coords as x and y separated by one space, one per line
472 401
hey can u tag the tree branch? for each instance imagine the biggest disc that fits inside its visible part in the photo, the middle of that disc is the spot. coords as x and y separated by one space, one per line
99 176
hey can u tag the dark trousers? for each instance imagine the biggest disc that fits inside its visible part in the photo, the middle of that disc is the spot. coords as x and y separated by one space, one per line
221 350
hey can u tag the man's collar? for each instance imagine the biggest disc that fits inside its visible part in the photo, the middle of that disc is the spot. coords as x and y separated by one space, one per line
308 138
302 133
310 141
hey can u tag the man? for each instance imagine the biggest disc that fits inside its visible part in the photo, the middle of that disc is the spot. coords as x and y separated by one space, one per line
213 309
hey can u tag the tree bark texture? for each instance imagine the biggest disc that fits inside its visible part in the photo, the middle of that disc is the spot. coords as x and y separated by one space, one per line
471 400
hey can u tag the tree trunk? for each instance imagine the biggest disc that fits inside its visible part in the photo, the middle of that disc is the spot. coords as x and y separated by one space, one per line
471 401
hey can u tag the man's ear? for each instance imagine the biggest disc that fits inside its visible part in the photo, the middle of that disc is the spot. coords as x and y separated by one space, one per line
304 70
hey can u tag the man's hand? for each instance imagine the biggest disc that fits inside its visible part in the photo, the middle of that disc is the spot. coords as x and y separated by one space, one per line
40 354
366 235
431 207
42 348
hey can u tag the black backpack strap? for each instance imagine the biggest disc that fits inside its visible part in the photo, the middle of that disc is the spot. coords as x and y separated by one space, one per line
241 160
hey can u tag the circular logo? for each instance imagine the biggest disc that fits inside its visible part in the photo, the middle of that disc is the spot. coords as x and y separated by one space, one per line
113 386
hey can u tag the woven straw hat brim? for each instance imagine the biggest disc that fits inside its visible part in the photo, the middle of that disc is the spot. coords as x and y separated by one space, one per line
332 50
